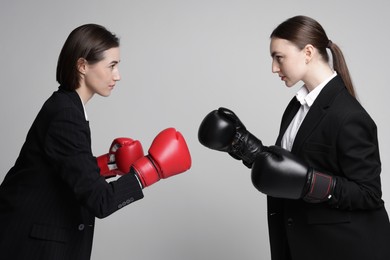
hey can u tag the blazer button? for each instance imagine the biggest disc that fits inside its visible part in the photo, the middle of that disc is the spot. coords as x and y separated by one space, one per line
290 221
81 227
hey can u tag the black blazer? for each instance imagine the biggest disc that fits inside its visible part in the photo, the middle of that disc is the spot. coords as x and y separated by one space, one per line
337 137
49 199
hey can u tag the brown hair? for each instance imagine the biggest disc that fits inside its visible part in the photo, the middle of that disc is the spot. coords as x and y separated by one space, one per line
87 41
303 30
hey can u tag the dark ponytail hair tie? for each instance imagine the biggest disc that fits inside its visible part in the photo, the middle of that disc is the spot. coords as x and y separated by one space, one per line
329 44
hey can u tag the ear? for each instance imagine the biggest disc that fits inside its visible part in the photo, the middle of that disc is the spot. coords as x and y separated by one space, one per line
308 52
82 65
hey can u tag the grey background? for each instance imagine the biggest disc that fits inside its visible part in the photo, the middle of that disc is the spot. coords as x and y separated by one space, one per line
180 60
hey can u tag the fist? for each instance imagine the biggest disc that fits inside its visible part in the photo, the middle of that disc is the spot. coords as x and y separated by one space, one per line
122 154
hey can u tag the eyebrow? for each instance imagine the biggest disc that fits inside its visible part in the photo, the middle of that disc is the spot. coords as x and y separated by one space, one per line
114 62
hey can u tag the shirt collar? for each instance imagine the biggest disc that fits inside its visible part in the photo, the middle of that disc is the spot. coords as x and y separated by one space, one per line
85 111
308 98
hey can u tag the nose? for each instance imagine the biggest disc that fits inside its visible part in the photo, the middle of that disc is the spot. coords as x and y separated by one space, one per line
275 67
117 76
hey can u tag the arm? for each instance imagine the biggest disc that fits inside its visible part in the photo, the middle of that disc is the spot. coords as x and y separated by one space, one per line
352 181
68 147
359 185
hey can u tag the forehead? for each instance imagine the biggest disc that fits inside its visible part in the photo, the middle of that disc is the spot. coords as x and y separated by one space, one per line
280 46
112 54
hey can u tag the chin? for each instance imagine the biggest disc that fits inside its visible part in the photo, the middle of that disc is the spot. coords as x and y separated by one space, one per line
105 94
290 84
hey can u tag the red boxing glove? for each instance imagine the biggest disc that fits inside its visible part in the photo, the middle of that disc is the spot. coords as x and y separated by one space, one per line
123 153
168 156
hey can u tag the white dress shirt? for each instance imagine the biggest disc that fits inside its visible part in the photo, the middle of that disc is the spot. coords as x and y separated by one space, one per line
85 111
306 99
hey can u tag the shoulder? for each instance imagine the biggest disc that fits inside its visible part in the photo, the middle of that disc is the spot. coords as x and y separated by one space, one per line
62 100
336 99
348 106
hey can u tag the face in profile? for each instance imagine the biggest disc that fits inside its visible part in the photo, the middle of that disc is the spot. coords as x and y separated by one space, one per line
287 61
100 78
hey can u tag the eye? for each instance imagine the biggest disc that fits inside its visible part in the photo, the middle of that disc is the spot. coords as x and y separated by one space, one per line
113 65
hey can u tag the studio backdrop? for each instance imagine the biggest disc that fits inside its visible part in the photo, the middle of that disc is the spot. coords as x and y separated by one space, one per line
180 59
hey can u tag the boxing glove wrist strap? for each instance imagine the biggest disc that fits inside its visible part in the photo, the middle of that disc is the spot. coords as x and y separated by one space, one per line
246 147
321 187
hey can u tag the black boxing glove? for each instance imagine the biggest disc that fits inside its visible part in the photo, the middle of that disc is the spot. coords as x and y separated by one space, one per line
222 130
279 173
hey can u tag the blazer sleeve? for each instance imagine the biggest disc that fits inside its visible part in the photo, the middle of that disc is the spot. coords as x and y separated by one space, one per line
68 148
358 185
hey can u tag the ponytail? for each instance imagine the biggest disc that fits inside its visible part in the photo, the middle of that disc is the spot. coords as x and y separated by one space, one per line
340 66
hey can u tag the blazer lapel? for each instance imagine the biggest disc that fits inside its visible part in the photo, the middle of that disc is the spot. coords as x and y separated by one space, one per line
317 111
288 116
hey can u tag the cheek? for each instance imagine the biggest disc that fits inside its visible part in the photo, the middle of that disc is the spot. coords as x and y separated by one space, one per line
294 68
287 69
99 77
94 80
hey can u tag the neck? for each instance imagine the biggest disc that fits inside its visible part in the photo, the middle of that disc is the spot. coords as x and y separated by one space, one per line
317 75
84 94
